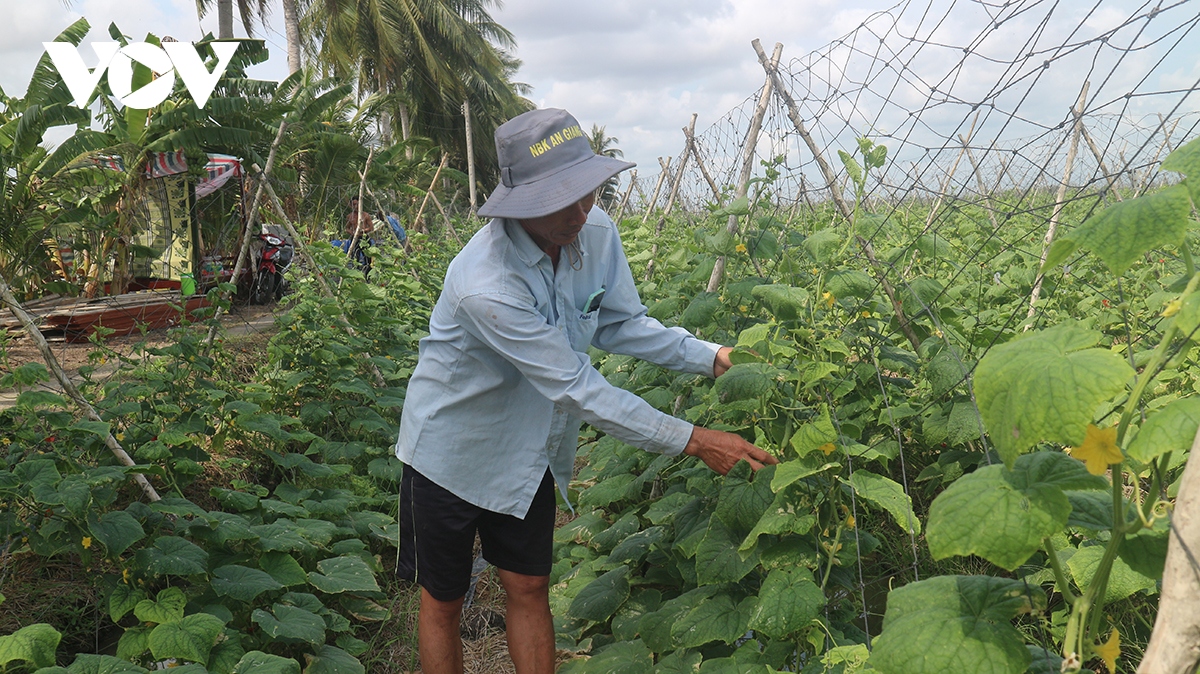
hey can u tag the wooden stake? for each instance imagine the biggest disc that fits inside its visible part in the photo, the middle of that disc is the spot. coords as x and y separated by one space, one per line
449 224
1146 179
1059 200
689 131
1174 646
1112 178
987 197
942 190
750 144
678 180
834 191
244 250
69 387
362 187
662 220
432 184
625 199
666 168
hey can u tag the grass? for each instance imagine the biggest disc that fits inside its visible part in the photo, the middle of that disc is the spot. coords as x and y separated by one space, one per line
40 590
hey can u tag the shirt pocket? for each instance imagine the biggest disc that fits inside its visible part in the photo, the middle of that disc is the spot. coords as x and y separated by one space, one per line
581 328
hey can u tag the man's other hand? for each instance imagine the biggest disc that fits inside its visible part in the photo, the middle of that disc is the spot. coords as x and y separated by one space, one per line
721 363
720 450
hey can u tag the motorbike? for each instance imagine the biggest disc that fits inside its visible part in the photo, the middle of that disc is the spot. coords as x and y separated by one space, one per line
274 258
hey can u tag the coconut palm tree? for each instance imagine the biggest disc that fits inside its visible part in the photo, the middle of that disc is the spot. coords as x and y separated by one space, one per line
249 10
606 145
426 56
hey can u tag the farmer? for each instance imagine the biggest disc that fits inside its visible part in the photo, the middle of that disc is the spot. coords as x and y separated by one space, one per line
492 416
358 237
368 223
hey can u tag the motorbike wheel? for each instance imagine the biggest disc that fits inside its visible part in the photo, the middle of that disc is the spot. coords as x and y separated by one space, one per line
263 291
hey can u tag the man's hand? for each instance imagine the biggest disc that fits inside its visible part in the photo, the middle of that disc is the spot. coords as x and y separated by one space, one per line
721 363
720 450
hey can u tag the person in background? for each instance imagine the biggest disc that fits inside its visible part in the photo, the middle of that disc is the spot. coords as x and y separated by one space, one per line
368 223
394 222
358 236
491 421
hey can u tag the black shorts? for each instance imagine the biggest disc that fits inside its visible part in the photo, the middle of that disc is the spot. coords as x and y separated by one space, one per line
437 536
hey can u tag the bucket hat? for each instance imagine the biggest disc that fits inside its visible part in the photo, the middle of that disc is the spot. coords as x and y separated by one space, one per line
546 164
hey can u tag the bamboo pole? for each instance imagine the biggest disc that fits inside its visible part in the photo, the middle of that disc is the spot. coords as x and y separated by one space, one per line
1147 175
1059 200
625 199
244 250
689 131
748 148
69 387
943 189
678 181
666 169
662 220
835 192
358 217
1112 177
1174 646
945 186
983 190
466 106
798 122
449 224
432 184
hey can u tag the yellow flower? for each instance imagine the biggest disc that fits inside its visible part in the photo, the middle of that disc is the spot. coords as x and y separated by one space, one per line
743 308
1110 650
1172 308
827 448
741 248
829 299
850 522
866 314
1099 449
815 271
87 542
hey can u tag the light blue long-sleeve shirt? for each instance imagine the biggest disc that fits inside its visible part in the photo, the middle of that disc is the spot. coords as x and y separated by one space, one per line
503 380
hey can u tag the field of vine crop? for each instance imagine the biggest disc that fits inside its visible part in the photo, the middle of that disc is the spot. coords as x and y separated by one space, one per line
952 251
961 488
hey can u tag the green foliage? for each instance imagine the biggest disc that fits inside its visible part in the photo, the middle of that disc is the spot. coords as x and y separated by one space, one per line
34 644
956 623
1046 387
1002 515
669 567
1120 234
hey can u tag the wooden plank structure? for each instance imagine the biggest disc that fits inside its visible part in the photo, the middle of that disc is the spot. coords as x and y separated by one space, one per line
76 319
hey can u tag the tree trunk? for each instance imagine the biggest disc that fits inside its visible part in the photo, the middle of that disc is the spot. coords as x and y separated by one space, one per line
291 26
404 129
225 19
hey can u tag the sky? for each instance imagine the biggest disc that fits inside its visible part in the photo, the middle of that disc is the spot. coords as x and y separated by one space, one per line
641 68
